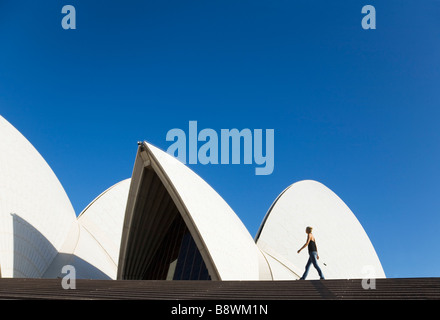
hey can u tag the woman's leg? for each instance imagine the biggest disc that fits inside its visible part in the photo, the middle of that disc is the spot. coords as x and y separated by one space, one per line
313 256
309 262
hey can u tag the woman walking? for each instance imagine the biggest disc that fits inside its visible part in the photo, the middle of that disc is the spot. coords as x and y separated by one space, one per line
313 254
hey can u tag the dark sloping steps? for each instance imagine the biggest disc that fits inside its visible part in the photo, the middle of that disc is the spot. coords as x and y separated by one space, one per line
385 289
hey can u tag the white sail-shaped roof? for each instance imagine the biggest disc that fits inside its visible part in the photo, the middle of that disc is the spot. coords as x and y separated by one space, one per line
344 248
224 242
166 222
35 212
93 245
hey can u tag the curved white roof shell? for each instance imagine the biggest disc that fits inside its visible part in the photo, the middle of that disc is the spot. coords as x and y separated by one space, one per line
344 248
35 212
224 242
104 218
145 226
94 243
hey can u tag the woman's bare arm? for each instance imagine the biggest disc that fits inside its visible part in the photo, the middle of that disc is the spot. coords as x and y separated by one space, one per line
309 236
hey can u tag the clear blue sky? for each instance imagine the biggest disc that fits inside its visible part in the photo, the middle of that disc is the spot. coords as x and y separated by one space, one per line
355 109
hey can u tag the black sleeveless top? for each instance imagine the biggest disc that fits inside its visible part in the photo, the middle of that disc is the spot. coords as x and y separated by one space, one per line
312 246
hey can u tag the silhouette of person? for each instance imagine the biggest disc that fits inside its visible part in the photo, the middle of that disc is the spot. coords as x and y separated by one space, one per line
313 254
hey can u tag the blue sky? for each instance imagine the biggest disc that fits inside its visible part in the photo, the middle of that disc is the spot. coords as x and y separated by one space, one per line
355 109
